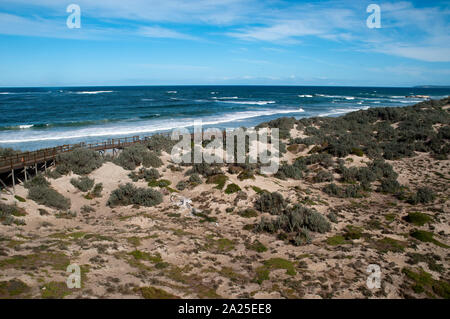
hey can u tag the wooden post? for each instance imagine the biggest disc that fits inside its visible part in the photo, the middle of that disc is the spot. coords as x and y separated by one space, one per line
35 168
25 173
13 180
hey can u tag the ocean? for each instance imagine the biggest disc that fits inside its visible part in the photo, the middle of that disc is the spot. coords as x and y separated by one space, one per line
34 118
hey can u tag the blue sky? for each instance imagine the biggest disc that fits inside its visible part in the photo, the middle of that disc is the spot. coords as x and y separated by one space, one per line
272 42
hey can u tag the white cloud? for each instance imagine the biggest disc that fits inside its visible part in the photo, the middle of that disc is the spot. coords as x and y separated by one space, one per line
159 32
429 54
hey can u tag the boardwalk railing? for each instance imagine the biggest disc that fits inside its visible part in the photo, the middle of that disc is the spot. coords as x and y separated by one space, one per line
25 159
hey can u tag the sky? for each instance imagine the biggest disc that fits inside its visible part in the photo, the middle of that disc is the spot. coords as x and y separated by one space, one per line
224 42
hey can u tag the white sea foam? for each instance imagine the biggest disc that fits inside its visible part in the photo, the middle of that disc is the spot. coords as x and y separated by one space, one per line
171 92
304 95
226 98
250 102
342 111
92 92
138 127
26 126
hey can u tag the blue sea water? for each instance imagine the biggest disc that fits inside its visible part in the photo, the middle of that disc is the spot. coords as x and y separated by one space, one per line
33 118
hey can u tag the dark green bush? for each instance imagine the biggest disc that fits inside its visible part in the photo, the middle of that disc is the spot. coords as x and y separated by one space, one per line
81 161
84 183
389 185
323 176
182 185
273 203
195 179
130 195
289 171
232 188
354 191
423 195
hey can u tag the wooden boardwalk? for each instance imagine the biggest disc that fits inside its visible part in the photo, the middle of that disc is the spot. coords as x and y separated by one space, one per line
31 159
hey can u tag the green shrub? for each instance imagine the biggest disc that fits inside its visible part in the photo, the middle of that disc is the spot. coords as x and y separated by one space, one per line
37 181
332 217
323 176
182 185
81 161
161 183
257 246
273 203
204 169
6 152
418 219
289 171
8 214
130 195
87 209
47 196
298 217
246 174
423 195
159 142
135 155
84 183
232 188
354 191
96 191
389 185
146 174
303 237
195 179
248 213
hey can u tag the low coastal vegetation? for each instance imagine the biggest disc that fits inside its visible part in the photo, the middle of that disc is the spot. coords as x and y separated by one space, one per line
40 191
128 194
367 187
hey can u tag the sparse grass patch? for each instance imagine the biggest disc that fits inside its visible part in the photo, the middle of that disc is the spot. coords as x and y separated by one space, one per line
257 246
55 290
248 213
336 240
20 199
427 237
13 288
155 293
219 180
262 273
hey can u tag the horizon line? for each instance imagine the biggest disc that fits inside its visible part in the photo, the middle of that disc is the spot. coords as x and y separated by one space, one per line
423 86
